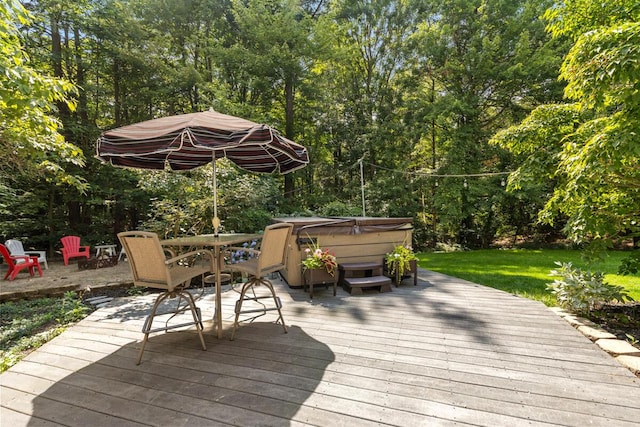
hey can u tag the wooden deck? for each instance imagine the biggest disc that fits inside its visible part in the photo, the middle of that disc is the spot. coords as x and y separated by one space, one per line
445 352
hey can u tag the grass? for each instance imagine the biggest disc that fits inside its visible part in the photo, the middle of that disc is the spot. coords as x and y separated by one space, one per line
524 272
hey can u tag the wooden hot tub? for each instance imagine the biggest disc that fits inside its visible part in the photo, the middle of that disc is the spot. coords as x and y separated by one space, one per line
350 239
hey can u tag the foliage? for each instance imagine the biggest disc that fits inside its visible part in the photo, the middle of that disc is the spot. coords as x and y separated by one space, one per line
71 308
582 291
413 88
27 324
631 264
588 147
317 258
478 64
29 140
399 260
336 208
247 251
136 291
183 202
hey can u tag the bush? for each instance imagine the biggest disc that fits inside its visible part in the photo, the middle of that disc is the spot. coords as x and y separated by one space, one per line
582 291
630 265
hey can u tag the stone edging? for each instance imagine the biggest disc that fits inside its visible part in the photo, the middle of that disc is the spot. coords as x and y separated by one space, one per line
622 351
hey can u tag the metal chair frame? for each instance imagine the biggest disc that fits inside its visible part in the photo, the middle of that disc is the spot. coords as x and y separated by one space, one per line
150 268
270 258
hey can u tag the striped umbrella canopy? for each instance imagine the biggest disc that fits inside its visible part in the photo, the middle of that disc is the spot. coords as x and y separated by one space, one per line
187 141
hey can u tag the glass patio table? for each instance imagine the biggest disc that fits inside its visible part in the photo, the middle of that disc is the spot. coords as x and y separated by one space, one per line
216 242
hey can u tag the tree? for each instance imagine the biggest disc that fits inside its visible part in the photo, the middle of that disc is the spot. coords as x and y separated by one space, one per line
359 114
30 144
592 153
34 156
274 50
480 68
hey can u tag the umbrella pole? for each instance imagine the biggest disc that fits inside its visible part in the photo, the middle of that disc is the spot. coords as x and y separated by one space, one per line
215 221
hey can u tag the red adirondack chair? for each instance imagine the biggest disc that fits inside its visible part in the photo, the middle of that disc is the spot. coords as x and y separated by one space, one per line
71 248
30 262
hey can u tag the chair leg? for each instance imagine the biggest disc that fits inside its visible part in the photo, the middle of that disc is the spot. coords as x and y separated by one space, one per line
197 317
36 265
269 285
250 285
238 309
148 322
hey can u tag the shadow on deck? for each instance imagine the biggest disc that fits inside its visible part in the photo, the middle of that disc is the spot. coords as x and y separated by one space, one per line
444 352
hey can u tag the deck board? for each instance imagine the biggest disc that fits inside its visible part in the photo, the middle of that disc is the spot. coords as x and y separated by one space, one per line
442 353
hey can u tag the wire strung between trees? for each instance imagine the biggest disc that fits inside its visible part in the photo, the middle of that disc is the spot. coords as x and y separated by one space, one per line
436 175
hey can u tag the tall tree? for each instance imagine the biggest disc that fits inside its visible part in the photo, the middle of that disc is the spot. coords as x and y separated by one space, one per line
593 154
29 139
361 75
274 45
485 64
34 154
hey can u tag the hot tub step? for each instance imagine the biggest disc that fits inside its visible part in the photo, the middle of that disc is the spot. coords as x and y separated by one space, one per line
355 285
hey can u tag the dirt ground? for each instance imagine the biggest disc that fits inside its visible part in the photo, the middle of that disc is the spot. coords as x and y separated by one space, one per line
622 320
60 278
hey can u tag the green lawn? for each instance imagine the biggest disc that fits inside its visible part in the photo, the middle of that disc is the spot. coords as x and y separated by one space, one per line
521 271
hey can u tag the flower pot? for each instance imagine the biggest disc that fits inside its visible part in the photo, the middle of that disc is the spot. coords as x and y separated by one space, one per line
413 270
318 276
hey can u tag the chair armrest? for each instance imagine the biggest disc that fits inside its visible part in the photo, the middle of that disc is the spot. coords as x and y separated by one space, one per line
36 253
175 259
24 257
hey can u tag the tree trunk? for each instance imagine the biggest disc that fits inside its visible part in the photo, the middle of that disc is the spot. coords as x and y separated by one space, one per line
80 81
117 113
289 184
56 58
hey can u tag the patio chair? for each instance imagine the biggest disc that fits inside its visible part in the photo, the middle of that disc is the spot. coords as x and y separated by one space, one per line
30 262
16 249
71 249
270 258
150 268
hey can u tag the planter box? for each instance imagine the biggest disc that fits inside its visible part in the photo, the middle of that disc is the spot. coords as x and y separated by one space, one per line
319 276
413 271
350 239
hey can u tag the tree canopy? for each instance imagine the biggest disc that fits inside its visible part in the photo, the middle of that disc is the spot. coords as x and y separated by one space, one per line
589 146
29 140
399 100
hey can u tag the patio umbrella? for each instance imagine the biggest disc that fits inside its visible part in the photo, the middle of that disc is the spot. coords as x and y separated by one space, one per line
188 141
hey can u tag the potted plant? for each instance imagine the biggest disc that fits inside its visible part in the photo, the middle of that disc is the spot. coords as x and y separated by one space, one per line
401 260
319 267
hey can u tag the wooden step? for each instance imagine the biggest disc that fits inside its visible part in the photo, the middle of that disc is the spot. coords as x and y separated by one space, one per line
359 266
355 285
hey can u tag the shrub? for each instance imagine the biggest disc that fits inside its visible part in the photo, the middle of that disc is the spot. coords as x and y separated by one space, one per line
630 265
582 291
